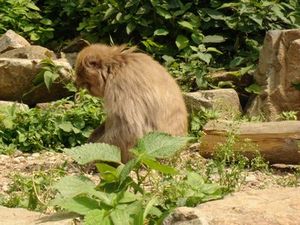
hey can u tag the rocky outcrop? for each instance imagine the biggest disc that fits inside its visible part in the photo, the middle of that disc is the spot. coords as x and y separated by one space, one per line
224 101
277 73
16 76
278 206
278 142
20 63
29 52
10 40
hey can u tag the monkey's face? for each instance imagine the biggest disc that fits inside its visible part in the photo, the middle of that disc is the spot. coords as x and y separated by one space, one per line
89 73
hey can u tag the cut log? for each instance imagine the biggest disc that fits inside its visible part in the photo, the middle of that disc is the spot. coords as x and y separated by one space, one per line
278 142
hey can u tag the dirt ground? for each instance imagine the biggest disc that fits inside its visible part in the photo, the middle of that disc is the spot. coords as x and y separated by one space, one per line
28 164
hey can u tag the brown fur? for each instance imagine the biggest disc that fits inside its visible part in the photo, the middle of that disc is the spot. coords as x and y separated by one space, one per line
139 95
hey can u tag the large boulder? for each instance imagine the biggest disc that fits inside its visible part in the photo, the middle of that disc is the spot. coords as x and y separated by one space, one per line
277 206
11 40
16 76
224 101
29 52
277 73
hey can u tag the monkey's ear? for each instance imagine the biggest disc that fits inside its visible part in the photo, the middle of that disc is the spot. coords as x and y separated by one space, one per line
92 62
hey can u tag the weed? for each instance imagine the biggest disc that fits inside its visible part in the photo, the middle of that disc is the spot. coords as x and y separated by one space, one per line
32 192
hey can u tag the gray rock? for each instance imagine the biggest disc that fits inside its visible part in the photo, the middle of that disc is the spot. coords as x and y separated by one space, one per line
29 52
16 76
11 40
224 101
278 206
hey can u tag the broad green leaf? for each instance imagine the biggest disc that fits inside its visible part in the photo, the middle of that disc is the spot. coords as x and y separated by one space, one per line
216 15
71 186
34 36
181 42
213 39
49 78
206 57
211 49
79 204
32 6
97 217
130 27
107 172
236 62
160 145
94 152
161 32
109 12
254 88
149 206
66 126
257 19
186 24
197 38
164 13
246 69
129 166
120 217
155 165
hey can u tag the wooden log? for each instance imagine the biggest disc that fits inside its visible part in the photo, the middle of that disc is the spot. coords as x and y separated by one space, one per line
278 142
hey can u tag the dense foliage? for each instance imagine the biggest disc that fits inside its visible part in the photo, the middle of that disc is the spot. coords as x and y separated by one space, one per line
202 34
64 123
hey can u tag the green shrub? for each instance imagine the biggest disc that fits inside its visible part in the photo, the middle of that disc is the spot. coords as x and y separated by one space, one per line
64 123
24 17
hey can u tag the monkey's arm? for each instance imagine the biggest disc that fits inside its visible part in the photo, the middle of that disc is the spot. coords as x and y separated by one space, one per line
97 134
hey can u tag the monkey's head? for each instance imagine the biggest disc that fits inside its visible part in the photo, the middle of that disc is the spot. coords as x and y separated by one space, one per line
95 63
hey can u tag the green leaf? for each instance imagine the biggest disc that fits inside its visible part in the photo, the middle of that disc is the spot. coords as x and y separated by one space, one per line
254 88
130 27
205 57
49 78
79 204
181 42
129 166
107 172
66 126
93 152
153 164
160 145
32 6
97 216
120 217
71 186
213 39
236 62
164 13
197 38
186 24
161 32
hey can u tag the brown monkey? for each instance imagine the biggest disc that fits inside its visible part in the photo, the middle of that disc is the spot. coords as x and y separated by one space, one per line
139 95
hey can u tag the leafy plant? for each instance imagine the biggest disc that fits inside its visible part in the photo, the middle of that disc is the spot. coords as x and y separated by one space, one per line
121 196
24 17
32 192
288 115
200 118
64 123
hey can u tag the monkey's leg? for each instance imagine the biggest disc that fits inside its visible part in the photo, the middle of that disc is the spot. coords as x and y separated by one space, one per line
97 134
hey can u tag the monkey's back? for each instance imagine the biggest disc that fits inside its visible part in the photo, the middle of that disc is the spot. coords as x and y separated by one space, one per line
145 97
